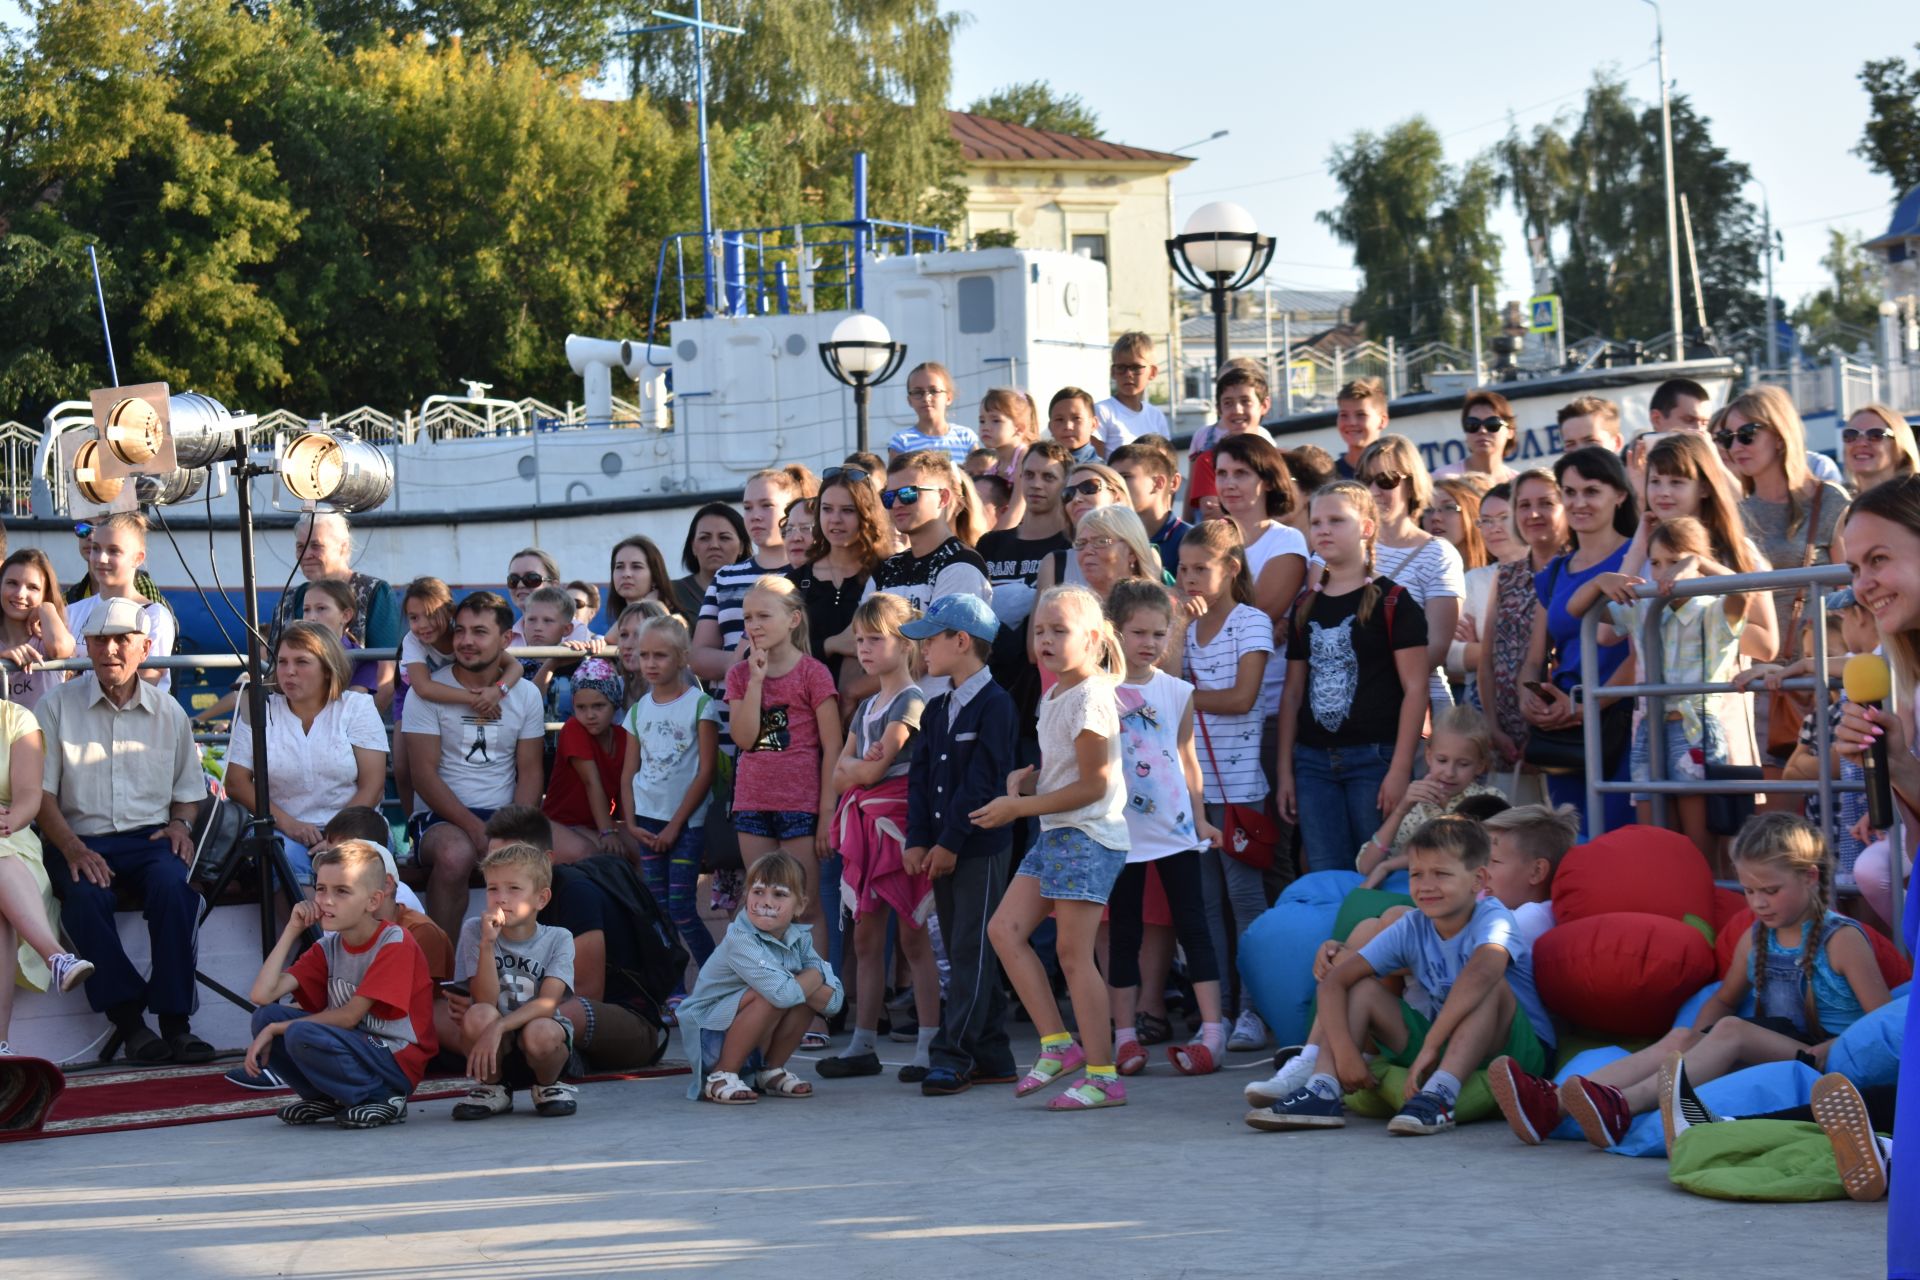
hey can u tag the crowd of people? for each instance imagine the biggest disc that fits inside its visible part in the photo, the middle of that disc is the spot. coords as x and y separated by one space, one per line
1032 710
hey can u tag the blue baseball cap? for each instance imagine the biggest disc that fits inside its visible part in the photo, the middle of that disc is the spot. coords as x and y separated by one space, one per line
1841 599
965 613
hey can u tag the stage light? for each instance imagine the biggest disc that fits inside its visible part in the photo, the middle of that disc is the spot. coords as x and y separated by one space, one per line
338 469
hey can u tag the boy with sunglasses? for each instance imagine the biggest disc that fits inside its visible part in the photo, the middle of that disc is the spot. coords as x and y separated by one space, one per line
921 496
1125 414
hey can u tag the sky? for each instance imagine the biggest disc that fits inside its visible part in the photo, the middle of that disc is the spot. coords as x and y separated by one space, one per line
1777 80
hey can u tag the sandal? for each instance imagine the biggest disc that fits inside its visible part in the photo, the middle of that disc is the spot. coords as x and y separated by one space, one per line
815 1040
188 1047
139 1045
1152 1028
1192 1059
727 1089
782 1083
1071 1058
1130 1059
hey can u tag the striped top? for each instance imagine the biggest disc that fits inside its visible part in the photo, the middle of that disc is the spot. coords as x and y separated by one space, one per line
725 603
957 443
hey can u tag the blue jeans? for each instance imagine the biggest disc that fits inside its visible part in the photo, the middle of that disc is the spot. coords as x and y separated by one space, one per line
1337 798
342 1064
674 877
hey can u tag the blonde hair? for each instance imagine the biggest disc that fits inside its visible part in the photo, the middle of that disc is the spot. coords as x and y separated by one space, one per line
1397 453
1537 831
1795 846
1769 406
355 857
795 478
883 614
1465 722
781 588
1107 476
1122 522
1018 406
1082 608
1222 538
1360 498
311 637
664 624
967 518
1906 456
1683 535
780 870
521 857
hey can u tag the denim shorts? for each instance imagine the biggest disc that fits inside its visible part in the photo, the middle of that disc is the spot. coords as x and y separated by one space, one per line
712 1043
1072 866
1680 762
775 824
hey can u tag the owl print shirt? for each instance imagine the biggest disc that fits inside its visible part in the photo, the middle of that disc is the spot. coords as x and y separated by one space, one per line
1353 689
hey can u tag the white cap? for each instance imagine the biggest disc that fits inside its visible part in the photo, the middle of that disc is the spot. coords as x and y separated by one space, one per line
117 616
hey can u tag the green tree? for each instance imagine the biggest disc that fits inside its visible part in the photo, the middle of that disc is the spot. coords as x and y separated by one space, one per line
1034 103
1419 232
568 37
1591 190
1890 142
1853 299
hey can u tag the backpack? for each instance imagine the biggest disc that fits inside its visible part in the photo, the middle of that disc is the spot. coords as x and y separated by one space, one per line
663 956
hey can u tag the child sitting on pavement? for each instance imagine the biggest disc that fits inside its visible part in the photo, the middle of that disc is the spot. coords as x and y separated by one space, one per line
758 992
517 971
363 1034
1466 954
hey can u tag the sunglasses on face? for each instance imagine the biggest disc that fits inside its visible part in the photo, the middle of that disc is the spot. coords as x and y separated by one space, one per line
1387 481
515 581
1875 434
858 475
907 495
1086 488
1474 426
1745 435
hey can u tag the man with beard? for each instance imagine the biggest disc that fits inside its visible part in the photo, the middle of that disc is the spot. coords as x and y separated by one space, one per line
468 760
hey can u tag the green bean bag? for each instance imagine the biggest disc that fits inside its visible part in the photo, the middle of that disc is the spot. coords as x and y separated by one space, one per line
1383 1101
1775 1160
1365 904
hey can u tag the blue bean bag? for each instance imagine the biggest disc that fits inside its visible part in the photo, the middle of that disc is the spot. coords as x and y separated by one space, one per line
1691 1009
1276 951
1751 1091
1868 1052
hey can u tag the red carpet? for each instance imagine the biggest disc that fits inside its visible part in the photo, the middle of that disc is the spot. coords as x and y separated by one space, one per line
155 1097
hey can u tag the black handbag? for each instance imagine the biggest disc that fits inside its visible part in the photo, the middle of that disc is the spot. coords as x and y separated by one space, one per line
1563 752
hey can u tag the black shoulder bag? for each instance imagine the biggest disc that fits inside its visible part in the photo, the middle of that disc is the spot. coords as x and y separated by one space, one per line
1563 752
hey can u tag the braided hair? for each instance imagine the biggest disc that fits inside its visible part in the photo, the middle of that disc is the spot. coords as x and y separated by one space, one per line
1360 498
1795 847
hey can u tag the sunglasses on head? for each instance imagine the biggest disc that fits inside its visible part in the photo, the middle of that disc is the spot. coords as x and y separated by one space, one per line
857 475
1387 481
1474 426
515 581
1086 488
83 530
907 495
1745 435
1876 434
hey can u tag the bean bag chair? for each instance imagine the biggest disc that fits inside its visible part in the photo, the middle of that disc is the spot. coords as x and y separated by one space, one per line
28 1088
1365 904
1768 1160
1383 1101
1690 1011
1894 967
1276 952
1750 1091
1726 905
1868 1052
1644 869
1623 972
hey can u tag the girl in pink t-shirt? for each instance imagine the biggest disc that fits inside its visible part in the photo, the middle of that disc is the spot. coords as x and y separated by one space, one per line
782 706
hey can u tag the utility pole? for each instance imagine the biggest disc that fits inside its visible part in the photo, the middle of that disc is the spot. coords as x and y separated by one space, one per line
1673 216
1766 240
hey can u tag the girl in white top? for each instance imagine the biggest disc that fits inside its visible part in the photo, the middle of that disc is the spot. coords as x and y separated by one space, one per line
1256 492
1428 567
1081 803
33 626
326 743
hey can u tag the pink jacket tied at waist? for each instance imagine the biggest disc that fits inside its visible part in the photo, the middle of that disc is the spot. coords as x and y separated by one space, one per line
869 832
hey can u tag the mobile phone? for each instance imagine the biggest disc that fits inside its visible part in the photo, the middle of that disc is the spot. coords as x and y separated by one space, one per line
1536 688
456 989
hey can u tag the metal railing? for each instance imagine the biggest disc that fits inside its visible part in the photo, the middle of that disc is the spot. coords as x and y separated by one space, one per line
1651 653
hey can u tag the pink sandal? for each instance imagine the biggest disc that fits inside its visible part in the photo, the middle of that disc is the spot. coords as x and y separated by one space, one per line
1071 1058
1089 1095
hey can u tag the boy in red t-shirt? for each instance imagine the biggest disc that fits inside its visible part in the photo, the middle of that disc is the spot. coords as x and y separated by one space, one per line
367 1033
587 766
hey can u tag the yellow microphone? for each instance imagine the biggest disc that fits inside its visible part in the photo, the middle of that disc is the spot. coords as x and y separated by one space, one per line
1868 682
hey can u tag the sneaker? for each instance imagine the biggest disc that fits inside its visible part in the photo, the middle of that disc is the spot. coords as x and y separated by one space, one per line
913 1073
1842 1113
554 1099
1071 1058
69 970
261 1080
6 1050
907 1032
1530 1103
859 1064
1680 1106
1303 1110
944 1082
1290 1079
991 1075
373 1115
1599 1109
1425 1113
1249 1033
483 1101
1090 1094
310 1110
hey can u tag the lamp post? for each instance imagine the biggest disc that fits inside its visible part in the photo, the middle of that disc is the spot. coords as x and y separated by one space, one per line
861 354
1220 251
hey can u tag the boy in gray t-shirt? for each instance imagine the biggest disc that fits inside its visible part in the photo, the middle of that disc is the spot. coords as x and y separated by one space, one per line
517 971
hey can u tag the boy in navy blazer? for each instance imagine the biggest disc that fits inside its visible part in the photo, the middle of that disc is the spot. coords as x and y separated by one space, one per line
960 761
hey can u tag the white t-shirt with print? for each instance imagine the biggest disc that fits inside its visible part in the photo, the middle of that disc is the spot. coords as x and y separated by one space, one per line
669 737
479 760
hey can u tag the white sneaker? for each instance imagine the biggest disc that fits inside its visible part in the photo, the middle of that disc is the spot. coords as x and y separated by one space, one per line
483 1101
1249 1033
6 1050
1283 1084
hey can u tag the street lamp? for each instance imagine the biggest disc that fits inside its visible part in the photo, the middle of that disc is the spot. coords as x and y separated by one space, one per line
861 354
1220 251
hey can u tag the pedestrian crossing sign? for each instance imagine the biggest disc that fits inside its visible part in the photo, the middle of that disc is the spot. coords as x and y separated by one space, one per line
1545 311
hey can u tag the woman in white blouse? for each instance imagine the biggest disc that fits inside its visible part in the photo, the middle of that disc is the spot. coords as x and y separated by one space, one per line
1428 567
326 747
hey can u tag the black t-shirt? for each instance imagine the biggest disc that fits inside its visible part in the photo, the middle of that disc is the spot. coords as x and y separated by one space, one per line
581 906
952 568
1353 687
830 609
1012 558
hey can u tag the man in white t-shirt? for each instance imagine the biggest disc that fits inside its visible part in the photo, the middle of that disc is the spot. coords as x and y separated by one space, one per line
1126 413
116 548
466 764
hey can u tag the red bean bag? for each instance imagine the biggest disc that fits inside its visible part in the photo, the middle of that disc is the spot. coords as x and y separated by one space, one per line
1726 905
1894 967
1626 973
1644 869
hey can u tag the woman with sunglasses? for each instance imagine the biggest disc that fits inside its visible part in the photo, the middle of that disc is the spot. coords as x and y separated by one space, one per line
1487 423
1602 515
1877 445
528 571
1428 567
851 536
1539 528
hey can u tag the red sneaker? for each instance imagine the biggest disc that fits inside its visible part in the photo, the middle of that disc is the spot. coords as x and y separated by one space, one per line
1599 1109
1530 1103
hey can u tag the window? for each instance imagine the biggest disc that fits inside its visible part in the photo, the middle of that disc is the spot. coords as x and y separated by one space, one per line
1093 245
976 304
